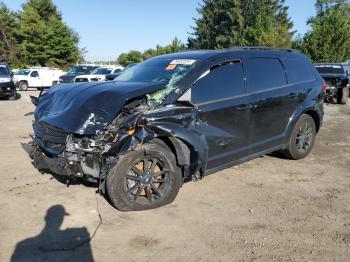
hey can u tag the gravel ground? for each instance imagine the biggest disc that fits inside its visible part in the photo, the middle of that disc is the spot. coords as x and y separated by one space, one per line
268 209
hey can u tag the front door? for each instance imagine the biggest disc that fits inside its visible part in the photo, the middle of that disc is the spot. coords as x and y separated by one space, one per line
35 79
220 97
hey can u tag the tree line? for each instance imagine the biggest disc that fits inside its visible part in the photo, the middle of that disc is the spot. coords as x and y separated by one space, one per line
37 35
228 23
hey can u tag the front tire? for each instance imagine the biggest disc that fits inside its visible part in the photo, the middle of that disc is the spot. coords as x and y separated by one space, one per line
302 138
343 95
144 179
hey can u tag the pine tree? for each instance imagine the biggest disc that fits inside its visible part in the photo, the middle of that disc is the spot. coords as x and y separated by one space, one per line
329 37
44 38
220 25
225 23
8 40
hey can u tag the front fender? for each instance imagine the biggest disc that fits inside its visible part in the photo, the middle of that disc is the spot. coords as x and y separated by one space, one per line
179 125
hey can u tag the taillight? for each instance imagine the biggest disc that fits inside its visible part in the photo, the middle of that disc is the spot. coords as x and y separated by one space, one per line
324 88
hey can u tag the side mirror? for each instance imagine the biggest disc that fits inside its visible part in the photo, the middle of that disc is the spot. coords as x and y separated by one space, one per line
12 74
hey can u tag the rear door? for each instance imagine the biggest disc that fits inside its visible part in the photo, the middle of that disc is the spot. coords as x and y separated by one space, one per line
219 94
271 99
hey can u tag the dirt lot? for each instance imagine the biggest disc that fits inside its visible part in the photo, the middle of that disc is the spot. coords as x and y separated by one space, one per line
268 209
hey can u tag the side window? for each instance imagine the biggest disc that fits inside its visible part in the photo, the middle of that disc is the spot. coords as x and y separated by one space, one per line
298 70
222 81
34 74
264 73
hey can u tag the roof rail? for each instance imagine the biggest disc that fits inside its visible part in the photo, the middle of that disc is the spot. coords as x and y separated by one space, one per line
263 48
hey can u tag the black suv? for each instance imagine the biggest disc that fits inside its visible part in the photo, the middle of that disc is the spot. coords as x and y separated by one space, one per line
7 87
337 81
176 118
75 71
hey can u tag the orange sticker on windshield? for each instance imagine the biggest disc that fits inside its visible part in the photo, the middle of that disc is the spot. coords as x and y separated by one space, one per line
170 67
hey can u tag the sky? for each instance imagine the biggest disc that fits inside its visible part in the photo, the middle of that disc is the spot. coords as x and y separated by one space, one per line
108 28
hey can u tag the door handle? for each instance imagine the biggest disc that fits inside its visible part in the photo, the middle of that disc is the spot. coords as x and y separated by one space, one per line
246 107
293 95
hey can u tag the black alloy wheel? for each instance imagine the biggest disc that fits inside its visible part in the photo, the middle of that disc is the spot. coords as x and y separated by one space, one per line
143 179
147 180
302 138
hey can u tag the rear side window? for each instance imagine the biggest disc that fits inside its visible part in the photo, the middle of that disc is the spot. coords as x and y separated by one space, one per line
264 73
298 70
223 81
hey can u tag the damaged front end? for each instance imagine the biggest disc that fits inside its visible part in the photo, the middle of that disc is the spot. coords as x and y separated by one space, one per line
92 156
81 130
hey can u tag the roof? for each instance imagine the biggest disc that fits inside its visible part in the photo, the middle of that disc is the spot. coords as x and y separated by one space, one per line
204 54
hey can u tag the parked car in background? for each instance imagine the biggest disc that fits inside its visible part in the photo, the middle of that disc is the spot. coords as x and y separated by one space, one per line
7 87
76 71
347 68
99 74
337 81
37 77
114 74
176 118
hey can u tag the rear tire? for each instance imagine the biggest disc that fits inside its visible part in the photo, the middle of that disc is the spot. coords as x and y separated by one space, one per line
23 86
343 95
302 138
133 185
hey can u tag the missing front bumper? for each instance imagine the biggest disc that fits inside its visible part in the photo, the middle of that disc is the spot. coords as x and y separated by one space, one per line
57 165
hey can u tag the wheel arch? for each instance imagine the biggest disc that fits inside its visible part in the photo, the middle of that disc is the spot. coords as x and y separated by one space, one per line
315 116
313 110
184 153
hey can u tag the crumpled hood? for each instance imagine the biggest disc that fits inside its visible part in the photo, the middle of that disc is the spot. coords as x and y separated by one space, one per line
86 108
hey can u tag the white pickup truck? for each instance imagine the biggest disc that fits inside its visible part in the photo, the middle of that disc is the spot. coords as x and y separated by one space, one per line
37 77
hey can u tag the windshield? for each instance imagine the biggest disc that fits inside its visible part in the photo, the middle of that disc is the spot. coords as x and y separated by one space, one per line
157 70
23 72
330 69
102 71
4 71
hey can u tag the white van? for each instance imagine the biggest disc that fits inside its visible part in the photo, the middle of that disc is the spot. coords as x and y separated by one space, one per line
37 77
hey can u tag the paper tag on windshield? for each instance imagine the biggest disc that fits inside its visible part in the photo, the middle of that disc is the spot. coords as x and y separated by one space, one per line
182 62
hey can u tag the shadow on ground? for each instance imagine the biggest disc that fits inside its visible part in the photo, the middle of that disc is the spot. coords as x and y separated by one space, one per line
53 244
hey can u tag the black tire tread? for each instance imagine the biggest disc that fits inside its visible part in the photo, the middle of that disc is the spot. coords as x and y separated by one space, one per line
113 177
290 152
343 95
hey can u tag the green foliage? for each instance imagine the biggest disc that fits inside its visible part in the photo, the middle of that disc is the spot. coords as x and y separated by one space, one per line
44 39
131 57
329 38
8 40
136 56
175 46
227 23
